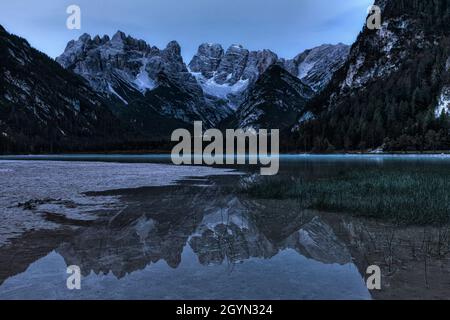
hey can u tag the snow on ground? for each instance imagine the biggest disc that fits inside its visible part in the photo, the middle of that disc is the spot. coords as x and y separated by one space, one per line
64 182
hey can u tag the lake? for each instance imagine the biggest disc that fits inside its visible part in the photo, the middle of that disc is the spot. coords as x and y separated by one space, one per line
140 228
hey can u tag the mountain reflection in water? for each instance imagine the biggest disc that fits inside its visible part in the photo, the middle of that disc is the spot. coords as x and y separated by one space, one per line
188 241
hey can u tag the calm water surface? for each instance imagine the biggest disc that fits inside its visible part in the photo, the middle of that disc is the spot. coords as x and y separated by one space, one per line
196 239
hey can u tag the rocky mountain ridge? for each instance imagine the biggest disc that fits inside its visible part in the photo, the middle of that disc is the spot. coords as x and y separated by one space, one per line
228 74
140 79
214 84
276 100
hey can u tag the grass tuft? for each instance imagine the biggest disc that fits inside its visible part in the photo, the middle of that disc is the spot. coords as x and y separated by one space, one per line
400 196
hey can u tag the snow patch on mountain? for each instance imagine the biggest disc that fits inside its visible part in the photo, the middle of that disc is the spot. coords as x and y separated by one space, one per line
306 117
443 106
111 89
143 80
389 38
211 87
305 68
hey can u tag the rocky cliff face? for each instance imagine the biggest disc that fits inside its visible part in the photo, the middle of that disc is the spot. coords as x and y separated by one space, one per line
393 89
275 101
146 84
229 74
230 66
108 63
44 107
315 67
207 59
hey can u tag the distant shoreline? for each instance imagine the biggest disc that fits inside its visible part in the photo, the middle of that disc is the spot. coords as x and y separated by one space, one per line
167 153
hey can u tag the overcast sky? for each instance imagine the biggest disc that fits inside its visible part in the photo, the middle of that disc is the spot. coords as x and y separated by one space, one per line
285 26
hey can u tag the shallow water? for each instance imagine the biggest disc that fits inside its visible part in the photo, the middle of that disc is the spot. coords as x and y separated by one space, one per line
288 275
152 232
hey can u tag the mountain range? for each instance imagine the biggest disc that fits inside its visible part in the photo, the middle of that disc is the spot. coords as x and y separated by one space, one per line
389 90
141 80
